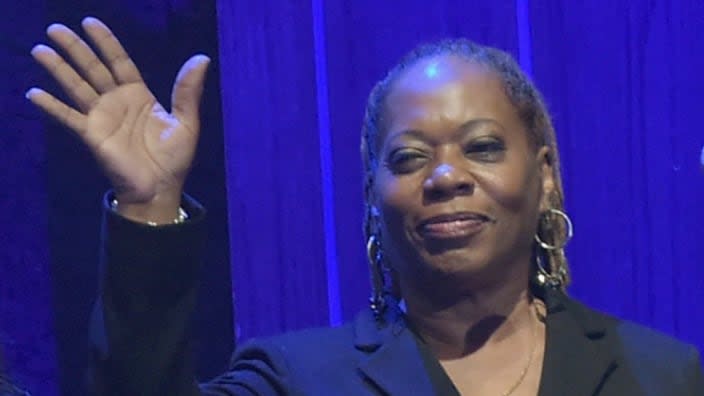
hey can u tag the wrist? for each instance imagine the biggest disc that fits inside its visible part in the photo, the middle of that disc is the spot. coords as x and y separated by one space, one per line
162 209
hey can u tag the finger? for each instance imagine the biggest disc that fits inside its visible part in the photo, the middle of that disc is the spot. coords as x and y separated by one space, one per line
188 89
87 62
73 84
59 110
120 64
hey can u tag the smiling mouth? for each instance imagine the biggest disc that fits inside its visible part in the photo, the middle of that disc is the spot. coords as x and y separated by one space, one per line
457 225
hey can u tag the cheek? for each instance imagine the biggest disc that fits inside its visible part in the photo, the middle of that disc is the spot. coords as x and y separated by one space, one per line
392 198
516 192
515 200
397 199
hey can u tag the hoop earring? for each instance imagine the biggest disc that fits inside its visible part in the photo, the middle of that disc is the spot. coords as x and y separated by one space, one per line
556 277
568 236
377 303
546 278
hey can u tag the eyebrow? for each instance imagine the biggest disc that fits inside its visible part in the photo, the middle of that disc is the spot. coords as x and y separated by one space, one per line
464 128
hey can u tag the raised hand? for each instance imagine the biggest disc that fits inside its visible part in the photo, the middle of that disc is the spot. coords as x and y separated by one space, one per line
145 151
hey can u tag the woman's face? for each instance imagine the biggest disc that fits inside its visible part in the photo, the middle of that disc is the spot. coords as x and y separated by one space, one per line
459 186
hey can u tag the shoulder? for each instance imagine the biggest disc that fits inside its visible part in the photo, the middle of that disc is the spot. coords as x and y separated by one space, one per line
309 361
308 342
312 349
656 357
651 356
357 337
647 343
633 339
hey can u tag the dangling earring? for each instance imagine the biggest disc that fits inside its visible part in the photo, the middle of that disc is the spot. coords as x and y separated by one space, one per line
545 278
376 274
556 277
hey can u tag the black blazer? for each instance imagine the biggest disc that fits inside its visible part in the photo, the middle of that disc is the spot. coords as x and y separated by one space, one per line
140 330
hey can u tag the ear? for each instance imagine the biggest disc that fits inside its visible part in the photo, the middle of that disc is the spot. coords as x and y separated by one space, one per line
546 165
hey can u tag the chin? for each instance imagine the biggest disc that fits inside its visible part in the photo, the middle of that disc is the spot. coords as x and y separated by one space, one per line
463 261
444 259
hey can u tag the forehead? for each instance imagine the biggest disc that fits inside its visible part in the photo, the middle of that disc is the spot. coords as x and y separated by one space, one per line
429 73
448 86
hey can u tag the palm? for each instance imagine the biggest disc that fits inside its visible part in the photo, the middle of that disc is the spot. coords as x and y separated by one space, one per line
141 146
143 149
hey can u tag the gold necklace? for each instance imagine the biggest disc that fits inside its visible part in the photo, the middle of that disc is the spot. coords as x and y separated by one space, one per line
531 356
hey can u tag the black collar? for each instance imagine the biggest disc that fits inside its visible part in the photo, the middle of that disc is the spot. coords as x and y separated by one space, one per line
577 358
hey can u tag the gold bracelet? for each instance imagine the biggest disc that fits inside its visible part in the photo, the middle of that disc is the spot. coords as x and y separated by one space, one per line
182 214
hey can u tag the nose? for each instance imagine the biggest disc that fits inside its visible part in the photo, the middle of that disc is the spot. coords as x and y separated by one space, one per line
447 181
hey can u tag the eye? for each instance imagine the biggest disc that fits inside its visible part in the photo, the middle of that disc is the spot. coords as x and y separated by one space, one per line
405 160
486 150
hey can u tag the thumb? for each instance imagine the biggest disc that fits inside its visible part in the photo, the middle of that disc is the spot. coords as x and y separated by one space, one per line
188 89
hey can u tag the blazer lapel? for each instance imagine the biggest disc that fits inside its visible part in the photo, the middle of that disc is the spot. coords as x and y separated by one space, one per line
577 357
395 363
577 362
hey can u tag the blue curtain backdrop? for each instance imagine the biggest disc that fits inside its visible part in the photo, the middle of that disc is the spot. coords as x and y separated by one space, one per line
26 316
622 78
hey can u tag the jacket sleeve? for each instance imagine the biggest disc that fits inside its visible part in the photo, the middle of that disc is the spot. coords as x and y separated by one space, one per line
140 323
148 288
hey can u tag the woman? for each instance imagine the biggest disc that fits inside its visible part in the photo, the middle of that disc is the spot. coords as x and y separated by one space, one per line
464 221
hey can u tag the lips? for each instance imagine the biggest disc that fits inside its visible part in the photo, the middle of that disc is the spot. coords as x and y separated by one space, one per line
453 225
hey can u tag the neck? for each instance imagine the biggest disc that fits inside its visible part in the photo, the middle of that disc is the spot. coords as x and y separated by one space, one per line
457 324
